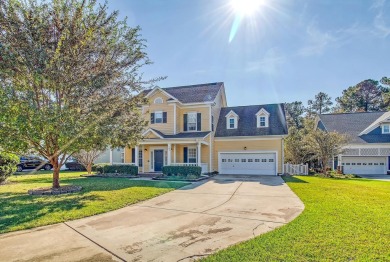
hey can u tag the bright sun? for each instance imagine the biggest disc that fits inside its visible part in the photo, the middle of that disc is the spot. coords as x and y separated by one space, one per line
246 7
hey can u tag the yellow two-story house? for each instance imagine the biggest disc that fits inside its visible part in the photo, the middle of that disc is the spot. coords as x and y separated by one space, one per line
192 125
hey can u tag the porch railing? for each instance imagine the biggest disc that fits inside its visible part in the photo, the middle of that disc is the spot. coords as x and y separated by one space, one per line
120 163
205 166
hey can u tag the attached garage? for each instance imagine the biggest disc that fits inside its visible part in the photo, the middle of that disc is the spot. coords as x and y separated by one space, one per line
247 163
364 165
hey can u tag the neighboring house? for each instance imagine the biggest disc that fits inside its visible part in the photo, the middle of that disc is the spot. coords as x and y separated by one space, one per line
368 151
116 156
192 125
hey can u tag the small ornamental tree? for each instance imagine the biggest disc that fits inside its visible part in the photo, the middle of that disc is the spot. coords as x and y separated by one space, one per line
324 145
86 158
69 78
8 164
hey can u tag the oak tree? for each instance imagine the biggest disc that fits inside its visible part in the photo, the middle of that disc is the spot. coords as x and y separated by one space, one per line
69 78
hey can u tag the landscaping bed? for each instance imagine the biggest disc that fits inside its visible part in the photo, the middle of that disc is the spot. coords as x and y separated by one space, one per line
182 178
111 175
55 191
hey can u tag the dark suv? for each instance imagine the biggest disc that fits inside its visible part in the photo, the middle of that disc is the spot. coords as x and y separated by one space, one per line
32 162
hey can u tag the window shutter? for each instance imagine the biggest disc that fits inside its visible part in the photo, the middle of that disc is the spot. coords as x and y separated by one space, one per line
164 117
185 122
199 121
152 118
133 155
185 150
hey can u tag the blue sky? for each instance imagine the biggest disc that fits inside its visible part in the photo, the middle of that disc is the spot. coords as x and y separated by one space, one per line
286 51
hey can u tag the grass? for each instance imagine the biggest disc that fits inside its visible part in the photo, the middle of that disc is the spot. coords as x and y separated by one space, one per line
343 220
18 210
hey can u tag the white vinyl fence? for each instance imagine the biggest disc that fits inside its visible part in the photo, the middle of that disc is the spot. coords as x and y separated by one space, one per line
296 169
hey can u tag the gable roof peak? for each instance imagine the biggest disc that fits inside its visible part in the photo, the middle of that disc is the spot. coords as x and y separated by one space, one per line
231 112
262 111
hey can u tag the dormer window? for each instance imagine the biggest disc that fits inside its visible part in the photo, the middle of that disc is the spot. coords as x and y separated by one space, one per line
231 120
232 123
158 100
386 129
262 118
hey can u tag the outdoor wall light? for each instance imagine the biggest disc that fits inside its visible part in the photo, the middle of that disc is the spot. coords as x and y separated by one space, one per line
245 147
146 149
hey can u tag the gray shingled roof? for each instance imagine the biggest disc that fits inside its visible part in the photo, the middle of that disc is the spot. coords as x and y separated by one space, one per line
193 93
247 123
353 124
183 135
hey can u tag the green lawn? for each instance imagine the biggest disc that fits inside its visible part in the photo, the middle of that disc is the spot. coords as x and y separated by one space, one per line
343 220
18 210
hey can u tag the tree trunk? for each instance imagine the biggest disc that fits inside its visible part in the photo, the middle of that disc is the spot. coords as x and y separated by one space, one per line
324 165
89 169
56 172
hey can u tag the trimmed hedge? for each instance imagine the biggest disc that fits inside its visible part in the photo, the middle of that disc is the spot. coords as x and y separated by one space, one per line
8 164
116 169
182 170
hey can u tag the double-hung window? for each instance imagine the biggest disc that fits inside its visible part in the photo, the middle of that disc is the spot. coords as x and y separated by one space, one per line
158 117
231 122
191 121
262 121
386 129
191 155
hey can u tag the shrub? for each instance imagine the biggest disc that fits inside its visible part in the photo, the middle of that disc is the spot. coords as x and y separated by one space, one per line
182 170
8 164
117 169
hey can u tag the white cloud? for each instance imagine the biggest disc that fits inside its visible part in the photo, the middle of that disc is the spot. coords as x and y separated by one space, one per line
382 29
269 64
317 41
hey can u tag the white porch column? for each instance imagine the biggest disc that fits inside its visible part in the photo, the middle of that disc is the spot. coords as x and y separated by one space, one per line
136 150
169 154
174 153
199 151
110 156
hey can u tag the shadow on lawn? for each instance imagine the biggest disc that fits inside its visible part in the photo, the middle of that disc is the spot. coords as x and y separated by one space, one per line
22 208
293 179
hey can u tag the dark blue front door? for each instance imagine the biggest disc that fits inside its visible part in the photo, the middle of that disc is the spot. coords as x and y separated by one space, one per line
158 160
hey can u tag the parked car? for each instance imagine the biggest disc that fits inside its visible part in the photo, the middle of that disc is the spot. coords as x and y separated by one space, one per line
74 165
33 162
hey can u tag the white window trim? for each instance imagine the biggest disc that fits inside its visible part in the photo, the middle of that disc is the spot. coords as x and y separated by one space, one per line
162 116
383 129
228 122
158 99
262 113
266 121
196 121
231 115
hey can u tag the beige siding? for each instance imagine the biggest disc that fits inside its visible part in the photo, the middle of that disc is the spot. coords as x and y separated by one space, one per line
166 128
205 111
251 145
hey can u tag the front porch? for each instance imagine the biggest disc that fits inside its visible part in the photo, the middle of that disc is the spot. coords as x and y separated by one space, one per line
151 156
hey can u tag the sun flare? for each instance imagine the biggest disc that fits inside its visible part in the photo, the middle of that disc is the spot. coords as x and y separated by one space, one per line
246 7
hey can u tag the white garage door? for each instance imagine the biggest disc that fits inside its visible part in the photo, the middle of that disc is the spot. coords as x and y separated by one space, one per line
247 163
364 165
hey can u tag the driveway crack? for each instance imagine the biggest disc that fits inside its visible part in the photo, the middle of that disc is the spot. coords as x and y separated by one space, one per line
107 250
225 201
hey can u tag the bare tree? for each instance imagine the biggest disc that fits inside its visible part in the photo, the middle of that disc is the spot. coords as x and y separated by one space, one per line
86 158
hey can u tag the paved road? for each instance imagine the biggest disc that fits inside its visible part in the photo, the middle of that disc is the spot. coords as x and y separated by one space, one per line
181 225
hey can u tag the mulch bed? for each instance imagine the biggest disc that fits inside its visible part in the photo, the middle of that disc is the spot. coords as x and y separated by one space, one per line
111 175
167 178
55 191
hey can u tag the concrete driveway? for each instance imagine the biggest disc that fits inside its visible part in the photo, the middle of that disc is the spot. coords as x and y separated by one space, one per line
376 177
182 225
